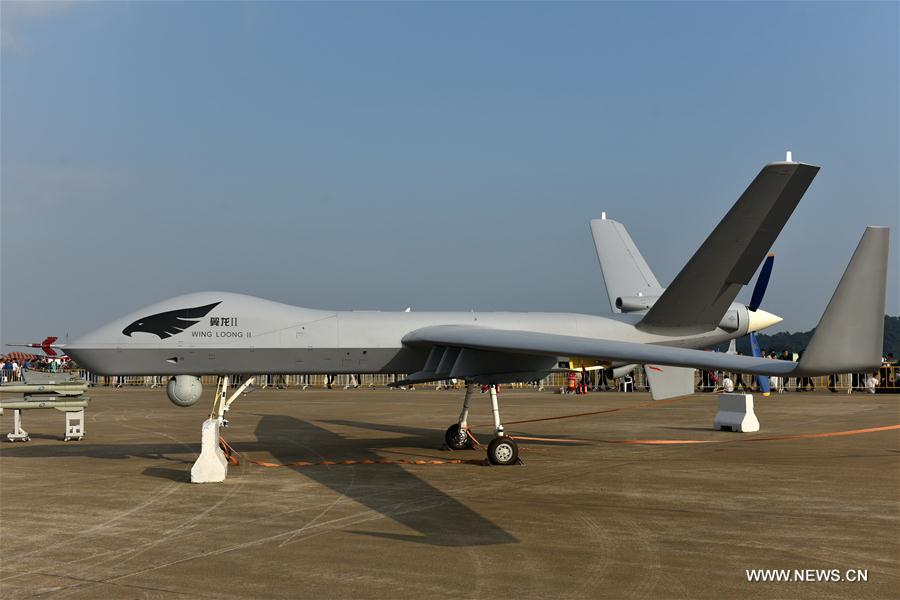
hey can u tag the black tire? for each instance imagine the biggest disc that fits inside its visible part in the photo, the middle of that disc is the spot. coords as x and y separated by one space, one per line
503 451
457 438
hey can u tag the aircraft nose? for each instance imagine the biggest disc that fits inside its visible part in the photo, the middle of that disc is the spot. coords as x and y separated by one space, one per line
760 319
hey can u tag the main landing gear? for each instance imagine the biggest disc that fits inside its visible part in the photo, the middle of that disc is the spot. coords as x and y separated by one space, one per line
457 436
502 450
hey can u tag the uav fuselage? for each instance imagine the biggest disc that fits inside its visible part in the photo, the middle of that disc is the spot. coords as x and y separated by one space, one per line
242 335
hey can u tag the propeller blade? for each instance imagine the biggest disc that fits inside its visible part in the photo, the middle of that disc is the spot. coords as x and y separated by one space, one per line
754 346
761 283
761 380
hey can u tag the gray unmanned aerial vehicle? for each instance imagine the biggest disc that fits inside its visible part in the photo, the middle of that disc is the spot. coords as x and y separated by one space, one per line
227 334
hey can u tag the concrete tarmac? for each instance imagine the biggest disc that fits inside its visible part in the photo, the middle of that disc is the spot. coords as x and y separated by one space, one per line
114 516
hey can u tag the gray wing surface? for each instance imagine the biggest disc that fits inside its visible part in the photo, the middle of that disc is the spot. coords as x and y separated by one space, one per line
669 382
519 342
847 339
701 293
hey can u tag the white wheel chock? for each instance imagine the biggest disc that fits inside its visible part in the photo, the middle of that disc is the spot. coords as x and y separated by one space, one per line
736 414
211 466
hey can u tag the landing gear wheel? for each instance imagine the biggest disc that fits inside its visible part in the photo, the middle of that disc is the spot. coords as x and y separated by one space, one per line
457 438
503 451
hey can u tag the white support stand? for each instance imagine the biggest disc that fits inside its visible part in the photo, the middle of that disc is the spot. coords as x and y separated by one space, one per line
18 434
212 466
736 414
74 425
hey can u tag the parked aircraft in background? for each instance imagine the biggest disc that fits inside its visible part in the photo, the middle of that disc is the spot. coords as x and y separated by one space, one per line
48 345
225 334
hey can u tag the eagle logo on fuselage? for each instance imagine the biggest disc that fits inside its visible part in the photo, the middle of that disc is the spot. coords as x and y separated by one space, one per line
166 324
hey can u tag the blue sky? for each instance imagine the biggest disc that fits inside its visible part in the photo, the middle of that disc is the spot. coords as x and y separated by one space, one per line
439 156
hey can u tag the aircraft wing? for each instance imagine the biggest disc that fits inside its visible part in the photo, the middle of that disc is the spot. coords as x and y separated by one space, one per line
848 338
701 293
523 350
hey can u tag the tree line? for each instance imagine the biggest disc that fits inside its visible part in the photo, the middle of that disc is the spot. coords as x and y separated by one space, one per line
797 341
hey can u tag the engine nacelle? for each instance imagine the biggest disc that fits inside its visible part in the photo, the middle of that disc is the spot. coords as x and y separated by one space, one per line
731 321
635 303
622 371
184 390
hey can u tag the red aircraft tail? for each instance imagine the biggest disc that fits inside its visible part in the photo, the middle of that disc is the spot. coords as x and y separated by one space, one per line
47 345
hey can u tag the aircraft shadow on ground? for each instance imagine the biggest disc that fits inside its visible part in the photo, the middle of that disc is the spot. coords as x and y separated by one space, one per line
390 490
111 451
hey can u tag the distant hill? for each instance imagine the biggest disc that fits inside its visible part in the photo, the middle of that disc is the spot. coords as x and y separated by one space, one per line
796 342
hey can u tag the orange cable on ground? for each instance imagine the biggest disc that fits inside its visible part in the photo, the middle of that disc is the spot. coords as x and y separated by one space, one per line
678 442
800 436
600 412
807 436
587 414
232 455
661 442
474 439
540 439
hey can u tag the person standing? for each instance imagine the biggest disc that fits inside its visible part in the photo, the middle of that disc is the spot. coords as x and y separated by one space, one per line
738 378
806 382
872 382
786 381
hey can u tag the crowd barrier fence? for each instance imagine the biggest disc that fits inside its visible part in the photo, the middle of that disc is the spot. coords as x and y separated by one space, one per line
889 380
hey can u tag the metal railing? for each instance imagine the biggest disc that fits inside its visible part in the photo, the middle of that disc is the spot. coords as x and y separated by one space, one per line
888 381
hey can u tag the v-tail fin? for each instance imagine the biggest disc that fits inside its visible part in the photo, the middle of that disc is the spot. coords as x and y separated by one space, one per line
850 334
628 278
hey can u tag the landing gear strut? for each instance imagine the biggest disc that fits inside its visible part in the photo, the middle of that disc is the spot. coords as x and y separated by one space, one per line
502 450
457 436
211 465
